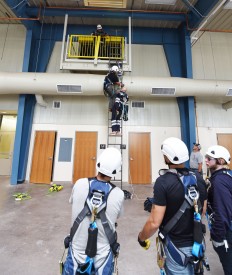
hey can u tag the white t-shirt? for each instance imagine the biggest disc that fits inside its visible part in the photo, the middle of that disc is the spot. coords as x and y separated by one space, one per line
113 210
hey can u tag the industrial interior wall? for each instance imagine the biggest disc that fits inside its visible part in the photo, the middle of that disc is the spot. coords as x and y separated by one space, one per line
212 56
212 59
159 117
12 43
9 103
211 119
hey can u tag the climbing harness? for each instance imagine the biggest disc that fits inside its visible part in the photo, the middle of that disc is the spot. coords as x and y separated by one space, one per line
189 182
55 188
95 207
21 196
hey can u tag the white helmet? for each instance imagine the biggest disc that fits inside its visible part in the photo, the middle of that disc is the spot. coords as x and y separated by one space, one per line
99 27
109 162
114 69
175 150
217 152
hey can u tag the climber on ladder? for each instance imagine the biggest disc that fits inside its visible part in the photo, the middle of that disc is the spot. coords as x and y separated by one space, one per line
111 85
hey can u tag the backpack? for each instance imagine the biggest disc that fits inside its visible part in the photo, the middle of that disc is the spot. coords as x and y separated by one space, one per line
108 87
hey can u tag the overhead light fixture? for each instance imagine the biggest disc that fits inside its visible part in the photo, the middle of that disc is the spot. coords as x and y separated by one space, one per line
160 2
228 5
116 4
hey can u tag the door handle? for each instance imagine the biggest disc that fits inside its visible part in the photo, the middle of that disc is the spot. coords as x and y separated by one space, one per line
131 159
50 158
93 158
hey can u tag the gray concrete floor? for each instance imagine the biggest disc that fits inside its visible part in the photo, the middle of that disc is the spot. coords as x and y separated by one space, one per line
32 232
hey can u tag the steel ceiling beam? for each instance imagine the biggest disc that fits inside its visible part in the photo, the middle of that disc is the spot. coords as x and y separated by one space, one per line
181 17
204 7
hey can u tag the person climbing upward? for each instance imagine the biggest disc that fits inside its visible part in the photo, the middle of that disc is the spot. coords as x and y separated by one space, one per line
111 85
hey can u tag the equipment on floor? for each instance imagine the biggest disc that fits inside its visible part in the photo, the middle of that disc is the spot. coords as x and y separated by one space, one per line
127 195
21 196
95 207
55 188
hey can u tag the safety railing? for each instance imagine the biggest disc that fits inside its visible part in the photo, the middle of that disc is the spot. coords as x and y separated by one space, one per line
96 47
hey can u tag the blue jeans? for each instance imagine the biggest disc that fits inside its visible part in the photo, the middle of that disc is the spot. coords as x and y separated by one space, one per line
173 268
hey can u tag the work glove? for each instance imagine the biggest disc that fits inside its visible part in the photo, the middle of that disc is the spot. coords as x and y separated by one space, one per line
145 244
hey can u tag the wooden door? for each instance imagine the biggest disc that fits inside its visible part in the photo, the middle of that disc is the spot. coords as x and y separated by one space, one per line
43 154
139 158
226 141
85 155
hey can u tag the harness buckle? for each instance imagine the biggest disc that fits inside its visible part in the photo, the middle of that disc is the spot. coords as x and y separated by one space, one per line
192 193
96 199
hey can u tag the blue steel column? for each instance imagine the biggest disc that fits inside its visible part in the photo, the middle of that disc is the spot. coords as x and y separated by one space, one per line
179 58
32 62
23 128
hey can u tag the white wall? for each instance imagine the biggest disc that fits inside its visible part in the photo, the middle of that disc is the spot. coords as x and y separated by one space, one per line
12 42
9 102
212 56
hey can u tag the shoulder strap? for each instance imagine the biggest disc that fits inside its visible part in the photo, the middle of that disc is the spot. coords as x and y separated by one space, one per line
86 211
228 172
187 203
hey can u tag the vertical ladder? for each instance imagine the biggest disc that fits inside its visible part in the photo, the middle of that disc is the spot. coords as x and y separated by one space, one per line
116 142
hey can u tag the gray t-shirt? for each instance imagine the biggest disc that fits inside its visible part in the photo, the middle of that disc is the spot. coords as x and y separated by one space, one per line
113 211
195 159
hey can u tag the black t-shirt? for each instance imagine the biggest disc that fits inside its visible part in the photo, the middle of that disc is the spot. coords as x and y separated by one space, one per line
169 192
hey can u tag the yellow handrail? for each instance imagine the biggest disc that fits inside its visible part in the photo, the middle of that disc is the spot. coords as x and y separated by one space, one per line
95 47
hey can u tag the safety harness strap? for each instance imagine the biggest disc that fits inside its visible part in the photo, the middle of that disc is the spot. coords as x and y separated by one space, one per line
85 211
111 235
173 221
177 254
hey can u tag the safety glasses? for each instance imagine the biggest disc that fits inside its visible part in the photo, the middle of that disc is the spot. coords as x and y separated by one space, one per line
208 158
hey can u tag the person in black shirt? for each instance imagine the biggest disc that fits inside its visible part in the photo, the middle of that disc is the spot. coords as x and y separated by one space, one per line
169 195
220 204
99 31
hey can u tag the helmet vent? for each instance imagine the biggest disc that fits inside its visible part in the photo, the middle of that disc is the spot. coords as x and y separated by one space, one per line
176 159
163 91
69 89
